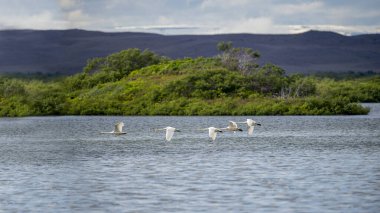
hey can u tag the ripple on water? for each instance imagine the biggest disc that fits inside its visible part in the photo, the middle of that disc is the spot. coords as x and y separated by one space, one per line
290 164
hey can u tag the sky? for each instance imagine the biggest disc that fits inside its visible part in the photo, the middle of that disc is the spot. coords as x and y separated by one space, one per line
194 16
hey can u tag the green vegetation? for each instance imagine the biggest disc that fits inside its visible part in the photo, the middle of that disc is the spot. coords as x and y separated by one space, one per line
135 82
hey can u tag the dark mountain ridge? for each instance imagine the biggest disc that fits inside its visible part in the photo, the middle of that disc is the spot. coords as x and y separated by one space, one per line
67 51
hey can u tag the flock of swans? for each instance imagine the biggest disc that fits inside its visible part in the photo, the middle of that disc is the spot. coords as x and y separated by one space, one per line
212 131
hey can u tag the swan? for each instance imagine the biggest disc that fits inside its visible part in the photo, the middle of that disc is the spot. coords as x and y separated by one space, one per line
118 129
233 127
212 131
169 132
251 125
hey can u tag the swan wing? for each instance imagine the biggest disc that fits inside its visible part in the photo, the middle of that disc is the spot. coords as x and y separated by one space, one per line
250 122
250 130
232 125
212 133
119 127
169 133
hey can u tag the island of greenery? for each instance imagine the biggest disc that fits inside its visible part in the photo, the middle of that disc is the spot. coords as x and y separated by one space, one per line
135 82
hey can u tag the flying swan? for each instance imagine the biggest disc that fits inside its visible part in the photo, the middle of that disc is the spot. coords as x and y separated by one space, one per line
233 127
251 125
169 132
212 131
118 129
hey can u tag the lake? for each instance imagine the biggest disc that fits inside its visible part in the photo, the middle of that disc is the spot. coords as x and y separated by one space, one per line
289 164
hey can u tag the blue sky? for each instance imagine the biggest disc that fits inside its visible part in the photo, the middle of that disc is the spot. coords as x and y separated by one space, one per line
194 16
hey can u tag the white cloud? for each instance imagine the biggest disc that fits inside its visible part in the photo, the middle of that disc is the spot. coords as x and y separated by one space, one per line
165 20
166 29
43 20
300 8
250 25
72 13
344 14
67 4
46 20
222 3
193 16
76 19
261 25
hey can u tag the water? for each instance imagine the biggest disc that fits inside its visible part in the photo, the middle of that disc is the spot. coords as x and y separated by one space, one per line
291 164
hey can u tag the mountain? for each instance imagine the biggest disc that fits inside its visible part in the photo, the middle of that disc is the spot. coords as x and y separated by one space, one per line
67 51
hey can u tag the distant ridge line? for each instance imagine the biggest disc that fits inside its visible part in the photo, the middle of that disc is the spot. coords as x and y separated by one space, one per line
67 51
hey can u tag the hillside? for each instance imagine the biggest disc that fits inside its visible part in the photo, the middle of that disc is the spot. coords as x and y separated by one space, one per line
135 82
67 51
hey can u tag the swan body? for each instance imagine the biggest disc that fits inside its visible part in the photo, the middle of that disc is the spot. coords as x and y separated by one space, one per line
251 125
233 127
118 130
169 132
212 131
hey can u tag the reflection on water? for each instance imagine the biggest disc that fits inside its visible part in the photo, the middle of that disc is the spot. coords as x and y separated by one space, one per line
290 164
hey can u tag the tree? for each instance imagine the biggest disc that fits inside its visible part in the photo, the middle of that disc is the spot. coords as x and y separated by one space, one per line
268 79
238 59
11 87
123 62
224 46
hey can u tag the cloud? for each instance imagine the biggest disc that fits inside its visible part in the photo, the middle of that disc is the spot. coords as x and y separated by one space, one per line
222 3
158 27
300 8
193 16
350 15
163 29
72 13
43 20
77 19
260 25
250 25
165 20
67 4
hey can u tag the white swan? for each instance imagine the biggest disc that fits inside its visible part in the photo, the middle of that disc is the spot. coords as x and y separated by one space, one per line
212 131
169 132
251 125
233 127
118 129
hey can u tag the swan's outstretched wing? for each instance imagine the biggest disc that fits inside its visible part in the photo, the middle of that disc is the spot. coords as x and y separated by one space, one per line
250 130
119 127
169 133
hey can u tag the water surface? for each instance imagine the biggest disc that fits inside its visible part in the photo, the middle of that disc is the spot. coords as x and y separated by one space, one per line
290 164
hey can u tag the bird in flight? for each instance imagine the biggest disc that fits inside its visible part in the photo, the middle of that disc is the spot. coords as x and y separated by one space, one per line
251 125
118 130
169 132
212 131
233 127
